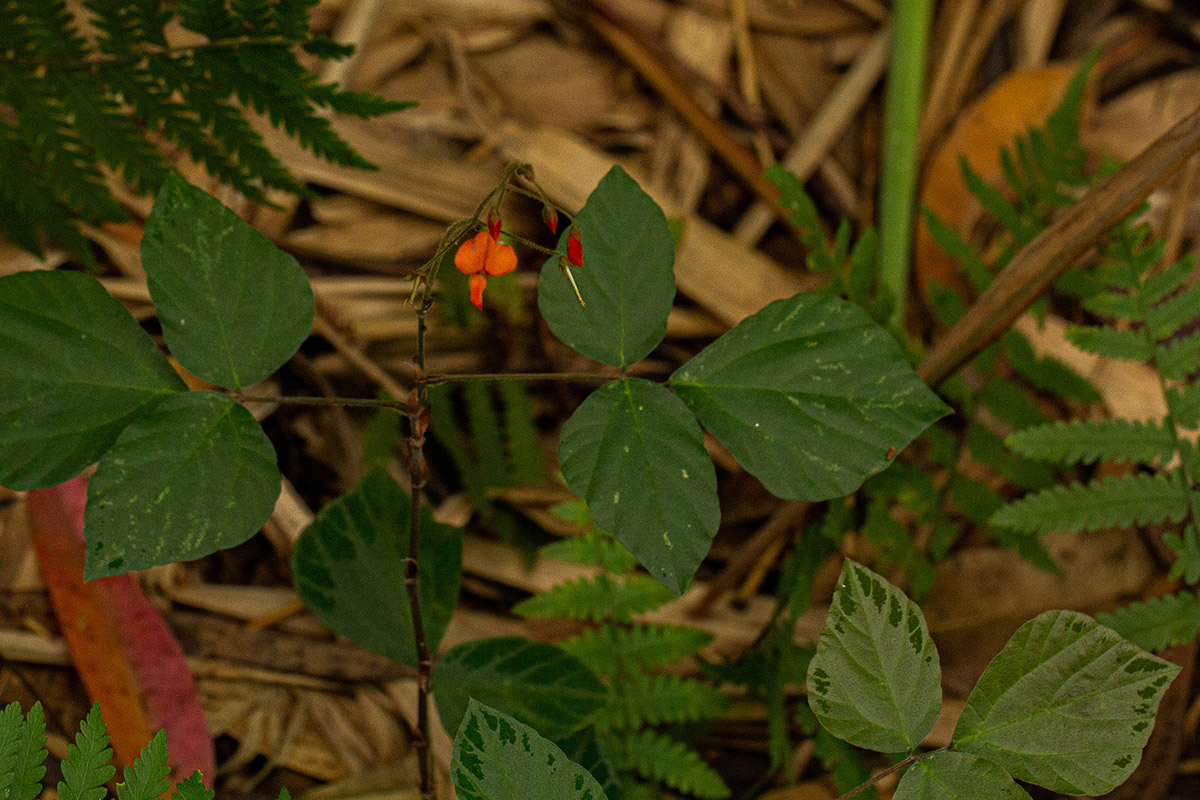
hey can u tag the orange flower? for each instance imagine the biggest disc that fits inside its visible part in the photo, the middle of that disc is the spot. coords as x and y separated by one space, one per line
480 257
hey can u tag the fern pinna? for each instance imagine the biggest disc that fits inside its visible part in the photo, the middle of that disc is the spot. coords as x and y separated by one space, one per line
1147 315
86 93
86 769
630 655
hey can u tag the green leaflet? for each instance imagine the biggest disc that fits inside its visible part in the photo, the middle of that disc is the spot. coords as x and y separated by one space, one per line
645 646
75 369
1135 499
810 396
591 550
628 278
147 778
22 751
498 758
536 682
195 475
353 554
1157 623
597 599
1128 345
1080 442
636 455
87 768
233 306
875 680
957 776
658 757
1067 704
643 699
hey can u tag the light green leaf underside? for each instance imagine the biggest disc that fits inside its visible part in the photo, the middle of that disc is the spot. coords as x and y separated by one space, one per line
195 475
536 682
1133 499
810 396
957 776
1080 442
634 452
628 278
75 369
875 681
1157 623
354 553
1067 704
233 306
498 758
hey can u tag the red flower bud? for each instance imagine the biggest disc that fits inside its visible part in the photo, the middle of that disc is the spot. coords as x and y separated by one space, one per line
493 222
575 247
550 217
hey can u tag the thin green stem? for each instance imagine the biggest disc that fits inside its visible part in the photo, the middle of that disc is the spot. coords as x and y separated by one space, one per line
902 118
297 400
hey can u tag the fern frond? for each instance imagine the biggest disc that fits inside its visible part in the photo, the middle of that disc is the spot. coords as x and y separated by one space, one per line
1171 279
1136 499
1079 442
597 599
657 699
1046 373
1178 310
147 778
592 550
22 752
609 648
1120 305
1178 359
192 788
86 768
1185 405
994 202
1128 345
657 757
51 28
123 25
1157 623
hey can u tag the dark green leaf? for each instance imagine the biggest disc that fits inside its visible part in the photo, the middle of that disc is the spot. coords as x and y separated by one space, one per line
536 682
75 369
1067 704
353 554
583 747
875 681
499 758
634 452
957 776
195 475
810 396
233 306
627 281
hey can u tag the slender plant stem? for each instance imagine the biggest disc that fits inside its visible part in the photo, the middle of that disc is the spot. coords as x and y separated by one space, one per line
418 421
902 122
874 779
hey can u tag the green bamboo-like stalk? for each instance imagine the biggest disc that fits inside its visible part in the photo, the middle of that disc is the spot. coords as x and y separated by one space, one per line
902 122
